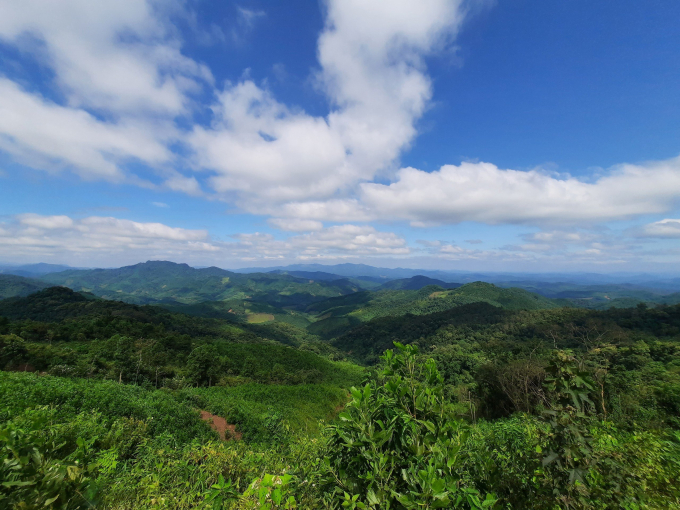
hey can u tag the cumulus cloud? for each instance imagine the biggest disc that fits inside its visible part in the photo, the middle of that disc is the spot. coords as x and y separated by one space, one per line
332 243
372 70
97 239
105 240
668 228
120 80
46 135
295 224
114 56
482 192
349 240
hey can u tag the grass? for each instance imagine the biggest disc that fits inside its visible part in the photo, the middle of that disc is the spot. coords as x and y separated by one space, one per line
259 318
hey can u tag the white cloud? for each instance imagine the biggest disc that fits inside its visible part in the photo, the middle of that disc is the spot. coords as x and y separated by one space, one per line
47 135
332 243
101 241
372 70
98 240
46 222
114 56
295 225
484 193
160 204
120 80
349 240
668 228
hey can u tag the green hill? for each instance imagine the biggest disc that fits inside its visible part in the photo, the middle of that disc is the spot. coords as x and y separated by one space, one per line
17 286
338 315
157 281
416 283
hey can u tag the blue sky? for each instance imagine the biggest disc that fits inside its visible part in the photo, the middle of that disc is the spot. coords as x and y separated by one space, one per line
508 135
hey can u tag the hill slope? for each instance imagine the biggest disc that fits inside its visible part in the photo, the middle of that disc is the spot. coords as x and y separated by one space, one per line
338 315
18 286
417 283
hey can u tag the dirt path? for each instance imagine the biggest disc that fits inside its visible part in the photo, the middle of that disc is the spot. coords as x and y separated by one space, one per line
221 426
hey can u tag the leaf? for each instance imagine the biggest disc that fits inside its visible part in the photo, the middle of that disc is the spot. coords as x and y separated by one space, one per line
371 497
551 457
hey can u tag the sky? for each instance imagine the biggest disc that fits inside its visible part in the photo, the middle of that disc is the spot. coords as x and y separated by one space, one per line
507 135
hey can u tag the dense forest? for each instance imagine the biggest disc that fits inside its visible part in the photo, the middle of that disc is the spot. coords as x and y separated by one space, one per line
407 396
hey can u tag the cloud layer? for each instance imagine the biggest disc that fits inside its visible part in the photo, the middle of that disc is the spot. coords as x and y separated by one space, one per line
97 240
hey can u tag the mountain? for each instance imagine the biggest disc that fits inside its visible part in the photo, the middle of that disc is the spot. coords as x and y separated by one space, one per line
33 270
367 282
660 283
167 282
348 270
16 286
416 283
338 315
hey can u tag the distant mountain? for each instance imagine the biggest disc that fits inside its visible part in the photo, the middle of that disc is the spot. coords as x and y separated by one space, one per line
348 270
534 282
18 286
160 281
367 282
416 283
33 270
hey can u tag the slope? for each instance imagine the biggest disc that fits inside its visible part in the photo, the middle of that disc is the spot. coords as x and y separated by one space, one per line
338 315
15 286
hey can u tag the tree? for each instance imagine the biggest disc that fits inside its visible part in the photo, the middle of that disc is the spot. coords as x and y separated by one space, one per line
204 366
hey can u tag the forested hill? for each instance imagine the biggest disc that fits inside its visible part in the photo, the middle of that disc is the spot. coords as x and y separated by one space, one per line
337 315
416 283
157 281
13 286
504 331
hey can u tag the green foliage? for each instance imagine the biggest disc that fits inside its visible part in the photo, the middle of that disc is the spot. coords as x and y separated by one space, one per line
18 286
429 299
163 410
33 472
397 446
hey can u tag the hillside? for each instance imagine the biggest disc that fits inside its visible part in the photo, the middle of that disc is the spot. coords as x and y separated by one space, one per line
157 281
17 286
338 315
417 283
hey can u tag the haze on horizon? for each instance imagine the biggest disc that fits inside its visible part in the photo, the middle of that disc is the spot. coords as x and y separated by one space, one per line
439 134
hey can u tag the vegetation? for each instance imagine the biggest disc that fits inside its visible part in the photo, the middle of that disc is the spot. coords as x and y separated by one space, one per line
339 315
159 282
18 286
475 397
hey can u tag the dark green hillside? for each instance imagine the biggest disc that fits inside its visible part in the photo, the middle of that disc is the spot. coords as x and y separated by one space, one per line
157 281
337 315
417 283
60 314
369 340
242 311
506 332
18 286
366 283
